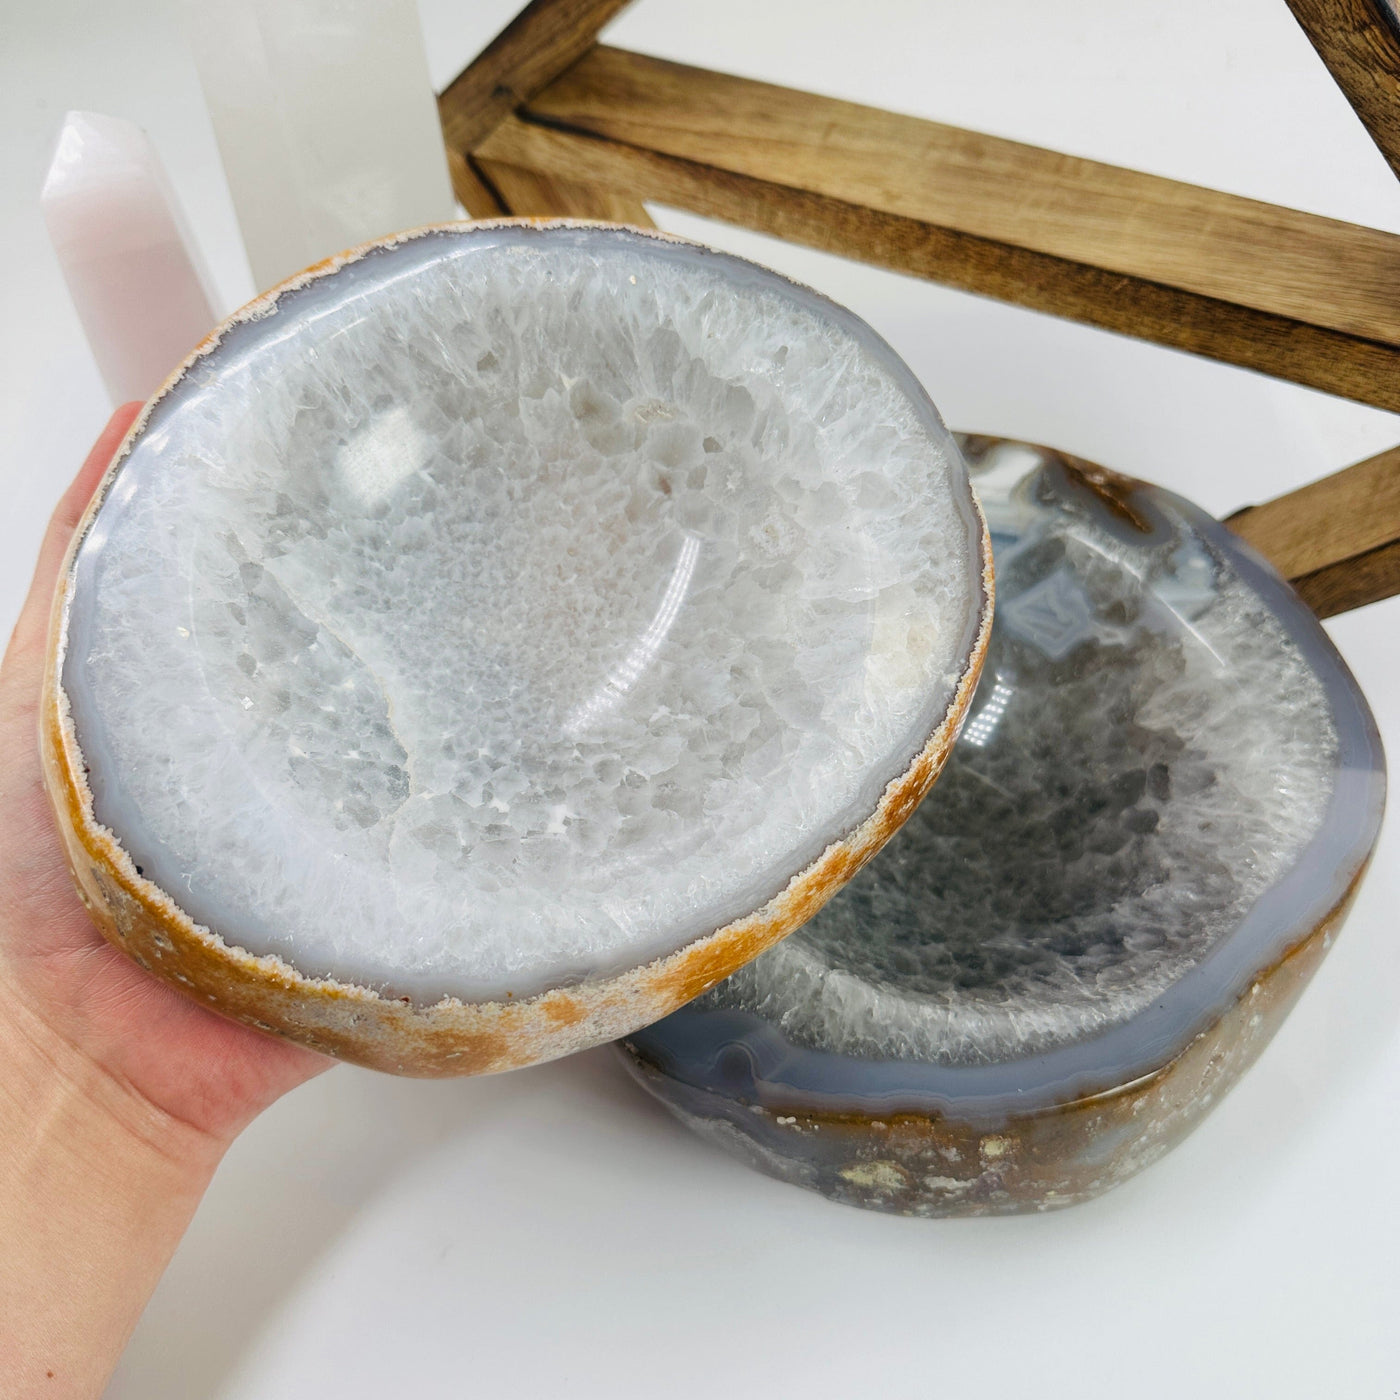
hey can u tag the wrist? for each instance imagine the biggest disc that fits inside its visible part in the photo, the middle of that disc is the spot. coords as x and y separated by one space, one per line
60 1099
96 1187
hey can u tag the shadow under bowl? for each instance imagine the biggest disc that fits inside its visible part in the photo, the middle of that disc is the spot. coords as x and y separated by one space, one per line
1150 829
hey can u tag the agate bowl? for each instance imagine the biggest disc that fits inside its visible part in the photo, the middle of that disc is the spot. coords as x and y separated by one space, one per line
1149 832
495 636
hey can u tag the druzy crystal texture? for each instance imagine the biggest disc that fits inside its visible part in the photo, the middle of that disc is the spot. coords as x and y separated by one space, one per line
515 606
1166 787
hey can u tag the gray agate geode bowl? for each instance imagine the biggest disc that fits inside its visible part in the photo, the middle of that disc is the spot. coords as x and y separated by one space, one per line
1157 814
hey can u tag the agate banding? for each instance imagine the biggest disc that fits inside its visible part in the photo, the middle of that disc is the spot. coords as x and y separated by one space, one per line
1147 835
493 637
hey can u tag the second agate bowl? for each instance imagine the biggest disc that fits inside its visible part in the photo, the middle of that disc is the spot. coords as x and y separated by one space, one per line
1148 834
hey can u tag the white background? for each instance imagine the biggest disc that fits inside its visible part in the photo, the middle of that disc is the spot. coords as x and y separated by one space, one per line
553 1232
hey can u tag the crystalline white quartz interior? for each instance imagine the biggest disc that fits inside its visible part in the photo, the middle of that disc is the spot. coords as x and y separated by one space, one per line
517 605
1149 753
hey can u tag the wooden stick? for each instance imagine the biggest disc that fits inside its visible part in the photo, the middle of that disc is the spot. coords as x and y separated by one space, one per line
1336 540
473 193
530 52
1294 295
541 42
528 192
1359 42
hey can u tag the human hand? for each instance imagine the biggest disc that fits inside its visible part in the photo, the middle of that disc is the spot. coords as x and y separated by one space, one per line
56 971
118 1095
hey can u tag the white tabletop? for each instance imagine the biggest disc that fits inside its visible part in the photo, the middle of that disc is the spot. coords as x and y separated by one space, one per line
552 1231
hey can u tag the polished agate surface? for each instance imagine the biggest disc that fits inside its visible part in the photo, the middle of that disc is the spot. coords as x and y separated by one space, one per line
516 605
1168 779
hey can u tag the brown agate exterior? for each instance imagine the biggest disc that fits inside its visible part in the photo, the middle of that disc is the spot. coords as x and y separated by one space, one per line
451 1037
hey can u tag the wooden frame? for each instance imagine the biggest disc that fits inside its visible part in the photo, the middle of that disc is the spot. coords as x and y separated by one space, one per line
548 122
